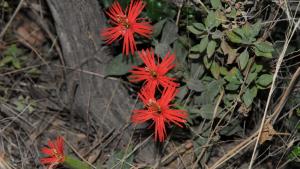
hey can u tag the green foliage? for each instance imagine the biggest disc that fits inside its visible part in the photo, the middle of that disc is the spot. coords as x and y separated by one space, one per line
120 65
12 57
295 153
220 64
121 159
74 163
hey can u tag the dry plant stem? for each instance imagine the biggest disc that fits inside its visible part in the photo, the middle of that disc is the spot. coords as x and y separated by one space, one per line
284 98
235 150
11 19
277 110
212 133
279 62
178 15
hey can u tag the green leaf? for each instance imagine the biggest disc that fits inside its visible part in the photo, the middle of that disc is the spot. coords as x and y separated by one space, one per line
265 47
251 77
161 49
195 85
233 37
223 71
201 46
180 50
234 76
194 55
295 153
217 34
207 62
216 4
211 47
207 111
260 53
75 163
243 59
211 20
265 79
120 66
215 70
249 96
211 90
157 28
255 29
194 30
199 26
247 31
16 63
6 60
232 86
13 50
169 33
118 160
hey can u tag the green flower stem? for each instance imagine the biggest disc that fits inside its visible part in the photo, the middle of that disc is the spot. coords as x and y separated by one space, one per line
75 163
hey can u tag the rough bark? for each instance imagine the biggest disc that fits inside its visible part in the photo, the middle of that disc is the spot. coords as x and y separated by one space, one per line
78 23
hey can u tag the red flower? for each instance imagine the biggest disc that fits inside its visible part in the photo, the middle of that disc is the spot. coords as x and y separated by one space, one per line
55 151
159 111
126 24
154 74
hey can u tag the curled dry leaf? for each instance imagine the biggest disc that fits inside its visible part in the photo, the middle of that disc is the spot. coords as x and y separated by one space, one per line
268 133
30 33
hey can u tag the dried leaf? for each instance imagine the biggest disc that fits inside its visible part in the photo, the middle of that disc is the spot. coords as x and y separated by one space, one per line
232 53
267 133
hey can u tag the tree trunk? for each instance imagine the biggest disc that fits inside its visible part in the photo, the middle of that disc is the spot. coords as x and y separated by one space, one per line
78 24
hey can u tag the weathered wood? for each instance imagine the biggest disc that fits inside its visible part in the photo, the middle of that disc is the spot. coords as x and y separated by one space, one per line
78 23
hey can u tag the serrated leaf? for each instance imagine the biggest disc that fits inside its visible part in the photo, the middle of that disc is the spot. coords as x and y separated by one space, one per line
233 37
265 47
215 70
194 30
211 47
201 46
216 4
195 85
120 66
265 79
243 59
